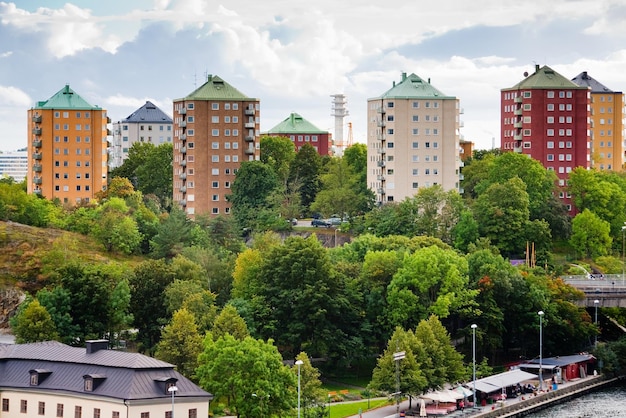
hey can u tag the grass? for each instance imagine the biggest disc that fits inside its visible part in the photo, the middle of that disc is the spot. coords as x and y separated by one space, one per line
342 410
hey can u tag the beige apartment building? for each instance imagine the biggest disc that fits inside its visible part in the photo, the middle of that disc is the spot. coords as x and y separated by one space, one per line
412 140
216 128
606 124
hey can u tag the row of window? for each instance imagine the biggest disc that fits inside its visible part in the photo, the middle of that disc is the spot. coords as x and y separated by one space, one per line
561 157
77 127
306 138
67 115
216 158
416 131
550 94
66 139
216 145
66 151
66 175
79 188
216 132
57 163
78 410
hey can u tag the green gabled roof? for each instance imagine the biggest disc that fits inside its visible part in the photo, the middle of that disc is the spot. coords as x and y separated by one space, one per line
295 124
66 98
216 89
545 78
413 87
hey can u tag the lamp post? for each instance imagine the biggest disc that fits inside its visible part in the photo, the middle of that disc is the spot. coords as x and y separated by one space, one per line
172 390
474 326
299 363
540 313
397 357
596 302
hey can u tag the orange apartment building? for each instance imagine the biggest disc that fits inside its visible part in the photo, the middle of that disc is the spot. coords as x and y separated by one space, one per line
216 128
606 124
67 148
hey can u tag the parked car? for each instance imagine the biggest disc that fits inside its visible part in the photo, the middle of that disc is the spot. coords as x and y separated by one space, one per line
294 221
335 221
321 222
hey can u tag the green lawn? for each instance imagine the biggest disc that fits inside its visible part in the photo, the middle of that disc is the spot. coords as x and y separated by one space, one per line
341 410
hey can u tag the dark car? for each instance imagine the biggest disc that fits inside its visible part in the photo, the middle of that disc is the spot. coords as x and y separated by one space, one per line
320 222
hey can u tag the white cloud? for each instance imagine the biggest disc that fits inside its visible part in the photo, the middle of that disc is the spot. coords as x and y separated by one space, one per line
13 96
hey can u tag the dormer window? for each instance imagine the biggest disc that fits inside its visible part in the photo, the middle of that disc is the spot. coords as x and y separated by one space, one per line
88 385
37 376
165 383
92 381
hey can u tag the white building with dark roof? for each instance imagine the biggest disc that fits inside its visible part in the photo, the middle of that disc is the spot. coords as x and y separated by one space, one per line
51 379
146 124
14 164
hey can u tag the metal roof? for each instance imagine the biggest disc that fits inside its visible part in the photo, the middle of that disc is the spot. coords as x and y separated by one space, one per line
545 78
584 79
502 380
295 124
66 98
562 360
149 112
413 87
216 89
122 375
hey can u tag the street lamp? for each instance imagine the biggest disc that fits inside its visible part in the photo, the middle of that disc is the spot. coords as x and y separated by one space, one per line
474 326
299 363
172 390
596 302
540 313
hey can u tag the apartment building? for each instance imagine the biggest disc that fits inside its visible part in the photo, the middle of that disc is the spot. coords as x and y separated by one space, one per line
14 164
606 124
146 124
50 379
301 132
412 140
546 116
216 128
67 148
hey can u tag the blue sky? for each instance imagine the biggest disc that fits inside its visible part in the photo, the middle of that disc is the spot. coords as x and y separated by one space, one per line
293 55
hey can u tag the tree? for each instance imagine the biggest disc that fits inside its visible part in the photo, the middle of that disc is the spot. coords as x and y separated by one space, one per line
305 169
338 193
250 374
180 343
312 395
33 324
251 206
229 322
57 303
115 229
173 234
590 235
356 157
278 152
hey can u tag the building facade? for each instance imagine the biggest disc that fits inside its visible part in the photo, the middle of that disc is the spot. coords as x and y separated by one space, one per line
301 132
14 164
546 116
146 124
606 124
216 128
53 380
67 148
412 140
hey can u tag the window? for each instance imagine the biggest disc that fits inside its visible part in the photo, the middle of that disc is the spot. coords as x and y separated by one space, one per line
550 132
215 132
415 145
550 144
214 106
527 132
550 157
190 132
215 171
550 95
390 104
390 131
168 414
215 119
527 94
215 198
416 118
214 211
59 410
415 172
41 410
5 405
550 119
390 144
390 118
526 144
215 145
215 158
96 413
550 107
215 184
115 414
416 105
193 413
23 406
416 131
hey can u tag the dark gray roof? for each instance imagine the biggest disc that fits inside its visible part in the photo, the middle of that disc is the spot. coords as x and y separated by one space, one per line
563 360
128 375
148 113
584 79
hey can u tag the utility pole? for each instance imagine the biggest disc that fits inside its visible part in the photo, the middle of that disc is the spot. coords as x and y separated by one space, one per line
397 357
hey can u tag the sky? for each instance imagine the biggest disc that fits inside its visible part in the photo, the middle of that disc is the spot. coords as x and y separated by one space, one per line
293 55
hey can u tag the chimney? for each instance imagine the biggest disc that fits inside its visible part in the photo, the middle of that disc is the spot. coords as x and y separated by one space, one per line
585 76
403 76
96 345
536 67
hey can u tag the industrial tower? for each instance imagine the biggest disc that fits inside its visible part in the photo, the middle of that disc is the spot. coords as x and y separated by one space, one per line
339 112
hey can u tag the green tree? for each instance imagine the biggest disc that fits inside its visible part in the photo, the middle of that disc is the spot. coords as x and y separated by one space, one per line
154 176
249 374
338 193
590 235
278 152
305 170
312 395
180 343
57 303
32 324
229 322
173 234
115 229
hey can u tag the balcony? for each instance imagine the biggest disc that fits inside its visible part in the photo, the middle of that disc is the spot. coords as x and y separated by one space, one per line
109 132
183 202
183 150
37 191
37 156
381 110
461 177
38 180
381 190
37 118
518 112
517 150
183 163
517 137
183 189
518 125
183 137
182 176
249 138
461 124
461 111
249 151
382 151
381 164
182 111
37 168
37 143
37 131
380 178
249 112
381 123
249 125
108 119
518 99
183 124
381 137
